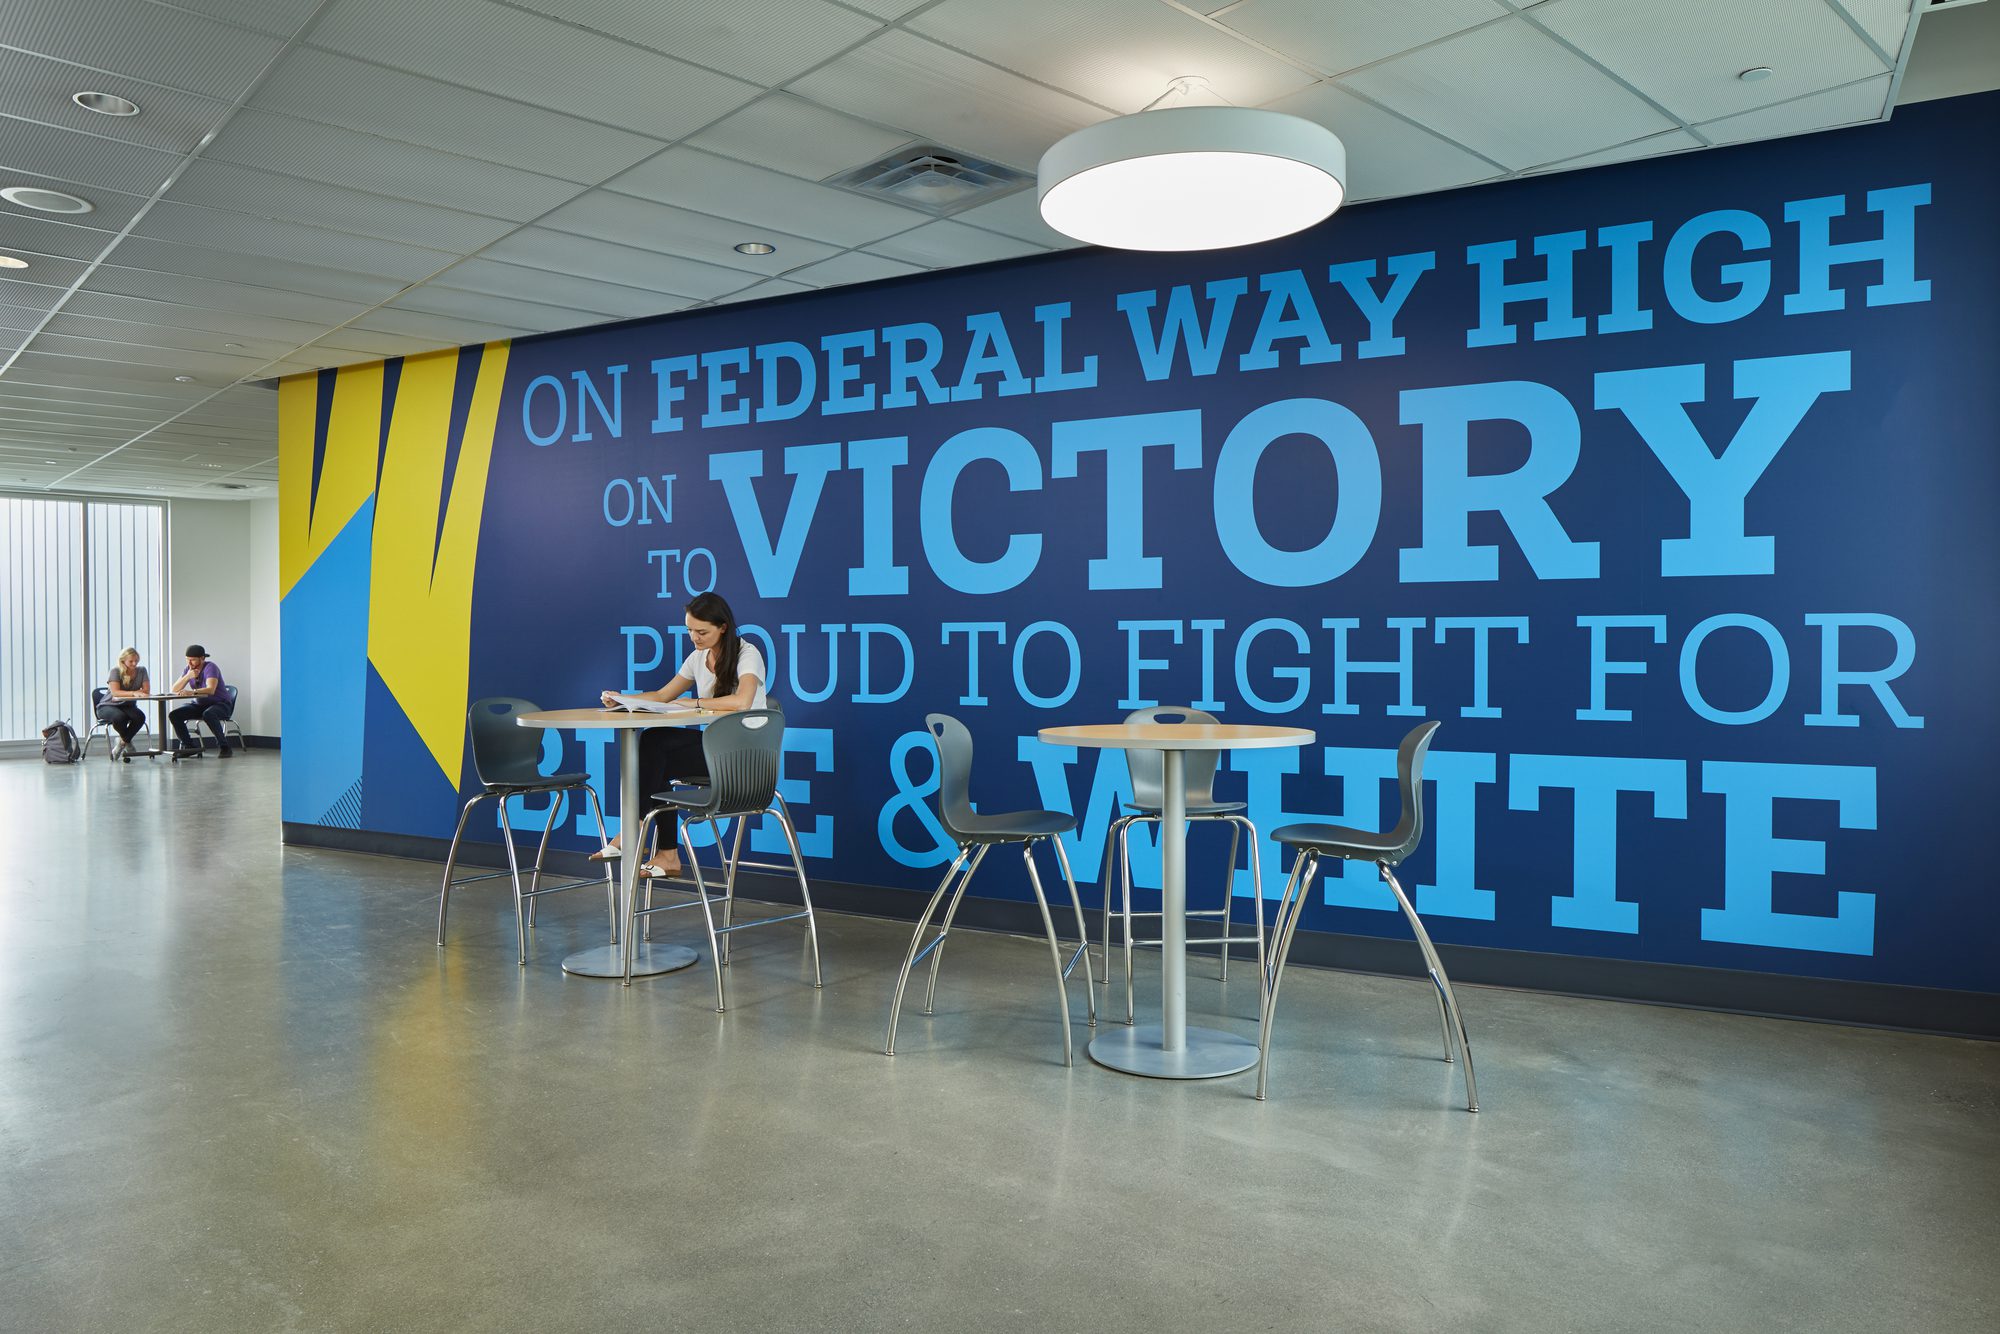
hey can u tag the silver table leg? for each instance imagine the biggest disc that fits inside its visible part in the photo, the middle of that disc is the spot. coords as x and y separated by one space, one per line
648 959
1170 1049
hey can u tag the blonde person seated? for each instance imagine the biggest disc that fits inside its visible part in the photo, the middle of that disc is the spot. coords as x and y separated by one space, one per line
126 683
726 675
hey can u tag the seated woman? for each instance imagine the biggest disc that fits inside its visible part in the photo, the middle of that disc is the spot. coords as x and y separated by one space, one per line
126 682
727 675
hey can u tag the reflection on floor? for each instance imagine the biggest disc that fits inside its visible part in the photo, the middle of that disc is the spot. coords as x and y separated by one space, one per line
241 1089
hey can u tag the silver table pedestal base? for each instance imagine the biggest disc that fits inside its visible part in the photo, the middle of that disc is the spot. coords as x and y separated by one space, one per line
648 960
1209 1053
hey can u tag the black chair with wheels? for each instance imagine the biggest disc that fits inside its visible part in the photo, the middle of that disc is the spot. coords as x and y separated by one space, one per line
1314 841
743 752
976 835
1149 772
506 757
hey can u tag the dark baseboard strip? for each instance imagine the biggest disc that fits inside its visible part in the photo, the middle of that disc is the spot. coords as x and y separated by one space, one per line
1828 1000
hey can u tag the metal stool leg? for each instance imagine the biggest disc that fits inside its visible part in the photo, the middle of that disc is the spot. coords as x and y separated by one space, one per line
514 871
1446 998
799 865
701 888
1055 949
916 939
944 928
610 880
729 882
1257 884
451 860
1229 894
1106 869
629 933
1289 911
556 802
1082 932
1125 895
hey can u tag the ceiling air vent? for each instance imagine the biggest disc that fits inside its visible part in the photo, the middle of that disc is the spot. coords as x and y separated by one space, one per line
230 486
937 180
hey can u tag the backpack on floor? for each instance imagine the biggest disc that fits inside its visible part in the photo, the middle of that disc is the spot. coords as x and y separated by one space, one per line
59 743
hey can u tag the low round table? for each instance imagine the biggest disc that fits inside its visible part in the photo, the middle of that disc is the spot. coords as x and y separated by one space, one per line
1170 1049
648 959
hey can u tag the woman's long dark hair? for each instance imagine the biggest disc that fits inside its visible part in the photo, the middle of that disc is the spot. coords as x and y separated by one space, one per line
710 608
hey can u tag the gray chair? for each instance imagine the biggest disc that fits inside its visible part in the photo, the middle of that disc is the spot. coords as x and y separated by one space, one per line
506 758
743 752
1149 772
975 835
230 724
1314 841
99 694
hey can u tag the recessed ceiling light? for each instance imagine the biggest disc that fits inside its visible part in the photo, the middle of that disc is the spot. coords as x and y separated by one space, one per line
234 345
11 262
756 248
183 379
1755 73
46 201
106 104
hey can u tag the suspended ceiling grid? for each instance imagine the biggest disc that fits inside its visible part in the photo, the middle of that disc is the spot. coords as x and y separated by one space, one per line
313 183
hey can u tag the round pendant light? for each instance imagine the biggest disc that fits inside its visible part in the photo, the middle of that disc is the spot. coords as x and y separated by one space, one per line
1192 178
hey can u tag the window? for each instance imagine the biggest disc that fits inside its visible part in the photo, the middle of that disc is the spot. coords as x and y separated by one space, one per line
82 581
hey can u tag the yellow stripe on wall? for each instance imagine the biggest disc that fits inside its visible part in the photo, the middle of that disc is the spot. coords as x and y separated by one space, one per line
308 521
420 608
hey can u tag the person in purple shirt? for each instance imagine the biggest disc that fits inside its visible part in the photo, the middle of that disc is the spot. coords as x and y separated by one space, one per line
208 702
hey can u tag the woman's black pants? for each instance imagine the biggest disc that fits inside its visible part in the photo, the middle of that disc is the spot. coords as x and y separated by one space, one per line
665 754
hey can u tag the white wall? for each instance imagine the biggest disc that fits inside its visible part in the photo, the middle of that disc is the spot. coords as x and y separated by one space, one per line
222 593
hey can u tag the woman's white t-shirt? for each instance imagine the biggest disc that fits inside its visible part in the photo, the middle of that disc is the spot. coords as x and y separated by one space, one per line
749 662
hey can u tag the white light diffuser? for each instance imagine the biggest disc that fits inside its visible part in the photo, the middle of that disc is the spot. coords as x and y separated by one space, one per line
1192 178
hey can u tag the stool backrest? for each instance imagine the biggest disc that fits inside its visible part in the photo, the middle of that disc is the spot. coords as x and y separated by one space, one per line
1149 767
1409 830
954 757
504 752
743 751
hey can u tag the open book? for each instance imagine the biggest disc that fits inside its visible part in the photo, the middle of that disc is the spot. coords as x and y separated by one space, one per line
641 704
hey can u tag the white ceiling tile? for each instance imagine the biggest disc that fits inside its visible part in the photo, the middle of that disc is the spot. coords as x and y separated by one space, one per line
766 43
558 289
228 323
689 178
948 244
1121 54
1019 215
321 86
167 335
853 267
54 270
1887 21
888 9
497 310
39 89
13 317
226 366
439 330
375 263
149 42
29 235
1653 145
225 296
795 136
224 185
280 18
110 212
1387 156
951 99
26 294
70 155
385 166
606 261
1511 93
628 220
770 287
534 59
1338 37
1862 101
1686 57
373 343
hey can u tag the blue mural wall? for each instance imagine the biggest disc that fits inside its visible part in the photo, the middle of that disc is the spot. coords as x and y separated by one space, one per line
1669 488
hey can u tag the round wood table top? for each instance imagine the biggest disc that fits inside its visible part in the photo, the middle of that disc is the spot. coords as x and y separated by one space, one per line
1177 736
616 718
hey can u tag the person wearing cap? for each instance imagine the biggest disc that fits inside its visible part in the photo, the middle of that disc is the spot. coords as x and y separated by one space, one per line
207 703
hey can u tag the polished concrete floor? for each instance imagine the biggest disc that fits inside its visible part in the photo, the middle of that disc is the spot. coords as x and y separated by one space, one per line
241 1089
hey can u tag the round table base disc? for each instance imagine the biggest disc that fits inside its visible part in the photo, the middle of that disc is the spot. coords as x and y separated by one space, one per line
648 960
1209 1053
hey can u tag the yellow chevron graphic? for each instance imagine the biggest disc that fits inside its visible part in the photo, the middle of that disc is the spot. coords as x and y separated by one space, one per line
307 524
420 610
